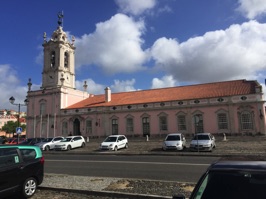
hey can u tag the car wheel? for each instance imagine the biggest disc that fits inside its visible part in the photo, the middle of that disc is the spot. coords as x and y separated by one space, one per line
47 148
82 145
68 147
115 149
29 187
126 146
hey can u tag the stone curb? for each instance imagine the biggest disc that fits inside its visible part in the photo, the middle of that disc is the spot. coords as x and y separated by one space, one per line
105 193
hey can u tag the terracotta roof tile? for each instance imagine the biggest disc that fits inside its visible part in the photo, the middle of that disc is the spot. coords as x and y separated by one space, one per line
199 91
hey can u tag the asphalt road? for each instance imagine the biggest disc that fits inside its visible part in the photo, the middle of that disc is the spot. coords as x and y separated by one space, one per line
166 168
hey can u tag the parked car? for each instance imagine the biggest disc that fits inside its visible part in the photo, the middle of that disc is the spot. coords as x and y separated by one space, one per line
32 141
114 142
21 170
17 141
203 142
230 180
49 143
70 142
174 141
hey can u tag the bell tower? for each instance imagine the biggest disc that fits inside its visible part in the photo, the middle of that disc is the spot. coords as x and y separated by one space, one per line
59 59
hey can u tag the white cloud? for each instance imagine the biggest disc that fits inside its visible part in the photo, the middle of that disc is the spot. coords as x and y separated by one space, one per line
165 81
252 8
123 86
93 88
115 46
234 53
9 86
118 86
135 7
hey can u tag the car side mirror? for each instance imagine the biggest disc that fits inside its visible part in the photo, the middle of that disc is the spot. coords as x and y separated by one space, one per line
179 196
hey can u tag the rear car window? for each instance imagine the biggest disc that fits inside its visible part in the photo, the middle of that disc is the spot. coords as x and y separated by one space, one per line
28 154
8 157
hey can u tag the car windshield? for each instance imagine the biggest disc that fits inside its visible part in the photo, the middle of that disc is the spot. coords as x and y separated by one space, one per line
201 137
110 139
47 140
233 184
172 137
66 140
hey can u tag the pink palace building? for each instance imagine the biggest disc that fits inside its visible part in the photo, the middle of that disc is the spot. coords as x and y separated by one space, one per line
58 108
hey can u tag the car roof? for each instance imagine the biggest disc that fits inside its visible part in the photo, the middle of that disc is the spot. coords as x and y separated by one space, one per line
72 136
239 165
115 135
36 148
203 134
174 134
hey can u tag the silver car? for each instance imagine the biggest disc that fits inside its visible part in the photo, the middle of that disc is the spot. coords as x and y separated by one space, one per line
203 142
174 141
114 142
49 143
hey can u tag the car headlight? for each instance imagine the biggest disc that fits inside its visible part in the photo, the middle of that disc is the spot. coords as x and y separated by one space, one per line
111 145
207 145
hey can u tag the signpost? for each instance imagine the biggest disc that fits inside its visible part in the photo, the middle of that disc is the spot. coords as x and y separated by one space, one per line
18 131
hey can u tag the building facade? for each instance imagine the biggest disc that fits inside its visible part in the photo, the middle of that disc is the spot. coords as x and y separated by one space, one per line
231 107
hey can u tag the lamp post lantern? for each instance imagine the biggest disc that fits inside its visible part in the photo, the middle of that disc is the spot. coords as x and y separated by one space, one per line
12 101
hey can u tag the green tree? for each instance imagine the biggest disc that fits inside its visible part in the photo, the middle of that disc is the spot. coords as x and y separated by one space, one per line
10 127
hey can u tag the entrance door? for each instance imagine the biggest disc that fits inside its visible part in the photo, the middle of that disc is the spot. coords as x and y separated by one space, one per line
76 125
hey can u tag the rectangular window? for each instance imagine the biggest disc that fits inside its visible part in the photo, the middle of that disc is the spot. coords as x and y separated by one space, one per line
64 128
181 122
115 127
146 126
88 127
42 108
198 119
222 121
163 123
246 121
130 125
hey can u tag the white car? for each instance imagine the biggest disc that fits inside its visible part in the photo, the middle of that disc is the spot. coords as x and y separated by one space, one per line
70 142
114 142
49 143
203 142
174 141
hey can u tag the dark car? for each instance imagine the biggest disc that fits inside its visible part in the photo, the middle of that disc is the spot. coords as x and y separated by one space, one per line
21 170
32 141
232 180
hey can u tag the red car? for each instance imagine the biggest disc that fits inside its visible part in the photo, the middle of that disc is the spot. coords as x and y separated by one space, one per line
16 141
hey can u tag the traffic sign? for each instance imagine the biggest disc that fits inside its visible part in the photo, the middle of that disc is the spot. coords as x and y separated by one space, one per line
18 130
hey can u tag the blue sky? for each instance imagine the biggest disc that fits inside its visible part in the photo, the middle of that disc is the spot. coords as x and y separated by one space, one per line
135 44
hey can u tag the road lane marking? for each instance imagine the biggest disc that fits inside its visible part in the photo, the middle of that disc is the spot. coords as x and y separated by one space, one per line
128 162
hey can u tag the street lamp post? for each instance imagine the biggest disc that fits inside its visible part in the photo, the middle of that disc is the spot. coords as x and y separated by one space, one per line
12 100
